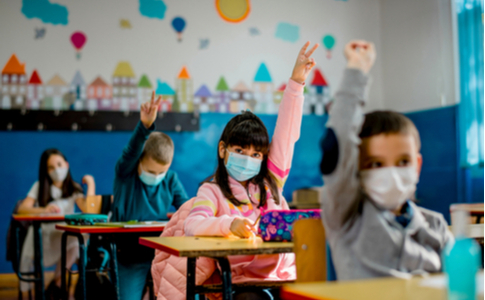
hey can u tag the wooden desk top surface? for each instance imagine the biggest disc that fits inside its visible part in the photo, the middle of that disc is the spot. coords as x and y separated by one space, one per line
475 208
215 246
40 217
106 229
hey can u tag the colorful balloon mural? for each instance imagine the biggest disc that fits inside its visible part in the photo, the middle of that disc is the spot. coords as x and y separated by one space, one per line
329 42
78 39
178 24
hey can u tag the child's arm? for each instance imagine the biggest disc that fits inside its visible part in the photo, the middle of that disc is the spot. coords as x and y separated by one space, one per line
179 193
287 130
28 205
128 161
88 180
341 145
202 220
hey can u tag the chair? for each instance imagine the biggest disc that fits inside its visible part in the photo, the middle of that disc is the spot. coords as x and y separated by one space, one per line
99 204
312 256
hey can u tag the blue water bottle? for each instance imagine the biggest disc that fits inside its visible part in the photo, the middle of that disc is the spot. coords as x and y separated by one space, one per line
461 260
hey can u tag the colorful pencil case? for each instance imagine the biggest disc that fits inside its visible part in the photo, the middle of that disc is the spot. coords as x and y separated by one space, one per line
85 219
277 225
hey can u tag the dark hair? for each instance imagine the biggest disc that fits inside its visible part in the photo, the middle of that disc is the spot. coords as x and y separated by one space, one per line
69 186
245 130
388 122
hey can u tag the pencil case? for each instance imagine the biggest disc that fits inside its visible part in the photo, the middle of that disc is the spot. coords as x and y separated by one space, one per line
85 219
277 225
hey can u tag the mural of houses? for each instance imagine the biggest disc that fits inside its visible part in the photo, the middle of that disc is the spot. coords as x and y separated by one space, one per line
278 96
263 91
78 91
318 94
35 91
14 84
124 88
184 87
168 97
203 101
99 95
222 96
241 97
56 94
144 90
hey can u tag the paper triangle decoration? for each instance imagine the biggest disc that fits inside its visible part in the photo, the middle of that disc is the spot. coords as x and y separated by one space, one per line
241 87
164 89
184 74
144 82
282 88
35 78
203 91
99 82
78 79
318 79
262 75
56 80
123 69
14 66
222 85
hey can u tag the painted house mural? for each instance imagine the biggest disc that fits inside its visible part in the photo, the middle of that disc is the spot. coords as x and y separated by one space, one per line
127 93
203 100
14 84
35 91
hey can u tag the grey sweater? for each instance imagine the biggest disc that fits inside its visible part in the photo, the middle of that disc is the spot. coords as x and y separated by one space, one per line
367 241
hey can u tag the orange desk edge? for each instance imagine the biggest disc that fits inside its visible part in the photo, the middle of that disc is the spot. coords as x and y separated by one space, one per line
107 229
154 245
38 217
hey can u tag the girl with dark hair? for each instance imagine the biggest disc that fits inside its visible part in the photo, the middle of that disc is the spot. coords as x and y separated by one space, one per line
54 193
248 180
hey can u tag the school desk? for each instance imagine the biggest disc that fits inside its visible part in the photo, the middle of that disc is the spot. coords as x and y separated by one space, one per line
219 249
38 273
475 209
418 288
78 231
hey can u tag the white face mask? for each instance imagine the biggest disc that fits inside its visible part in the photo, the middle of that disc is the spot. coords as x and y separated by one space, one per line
58 174
389 187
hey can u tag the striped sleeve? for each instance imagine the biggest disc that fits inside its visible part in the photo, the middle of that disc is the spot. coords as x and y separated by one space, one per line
202 219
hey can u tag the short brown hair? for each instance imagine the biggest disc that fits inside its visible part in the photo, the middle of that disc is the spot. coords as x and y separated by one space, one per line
159 147
388 122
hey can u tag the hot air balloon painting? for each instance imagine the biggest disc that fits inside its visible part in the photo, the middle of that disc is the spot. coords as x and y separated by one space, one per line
329 42
178 24
78 39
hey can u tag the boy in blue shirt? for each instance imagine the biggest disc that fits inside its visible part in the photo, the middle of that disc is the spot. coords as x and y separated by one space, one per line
144 190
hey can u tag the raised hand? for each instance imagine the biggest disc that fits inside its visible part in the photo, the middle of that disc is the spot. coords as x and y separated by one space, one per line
88 180
360 55
304 64
149 110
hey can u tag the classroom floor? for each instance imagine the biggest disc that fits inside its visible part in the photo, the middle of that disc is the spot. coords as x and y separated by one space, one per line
9 286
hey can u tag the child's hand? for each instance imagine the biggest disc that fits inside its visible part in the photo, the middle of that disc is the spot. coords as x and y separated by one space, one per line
52 209
242 228
360 55
88 180
304 64
149 110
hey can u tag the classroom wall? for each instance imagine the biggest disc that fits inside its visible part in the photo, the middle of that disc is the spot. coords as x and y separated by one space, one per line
417 54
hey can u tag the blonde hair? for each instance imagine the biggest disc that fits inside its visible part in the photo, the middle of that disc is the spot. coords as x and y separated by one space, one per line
159 147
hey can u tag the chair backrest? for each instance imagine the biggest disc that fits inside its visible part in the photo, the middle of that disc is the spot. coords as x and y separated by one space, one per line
99 204
310 250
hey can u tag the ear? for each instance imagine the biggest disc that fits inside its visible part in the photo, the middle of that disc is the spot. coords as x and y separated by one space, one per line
67 164
222 149
420 163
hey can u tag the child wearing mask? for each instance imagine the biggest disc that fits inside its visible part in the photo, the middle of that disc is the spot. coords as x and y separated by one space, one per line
54 192
144 190
248 180
370 167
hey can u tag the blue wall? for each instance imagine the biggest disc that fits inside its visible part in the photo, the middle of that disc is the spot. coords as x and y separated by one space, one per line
441 183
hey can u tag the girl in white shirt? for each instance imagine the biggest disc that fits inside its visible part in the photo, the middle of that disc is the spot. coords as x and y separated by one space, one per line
54 193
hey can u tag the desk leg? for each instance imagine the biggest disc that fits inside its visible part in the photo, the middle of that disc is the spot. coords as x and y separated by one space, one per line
38 261
226 278
191 261
114 267
82 264
65 293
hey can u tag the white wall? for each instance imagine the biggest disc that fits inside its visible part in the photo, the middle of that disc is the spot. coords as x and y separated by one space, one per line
151 44
417 54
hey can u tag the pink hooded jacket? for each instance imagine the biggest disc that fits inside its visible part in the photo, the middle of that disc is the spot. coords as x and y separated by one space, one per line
211 214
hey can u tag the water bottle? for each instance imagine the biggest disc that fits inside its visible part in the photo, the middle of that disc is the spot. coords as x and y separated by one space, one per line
462 260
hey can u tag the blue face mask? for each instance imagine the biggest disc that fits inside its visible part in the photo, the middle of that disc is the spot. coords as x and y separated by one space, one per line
242 167
151 179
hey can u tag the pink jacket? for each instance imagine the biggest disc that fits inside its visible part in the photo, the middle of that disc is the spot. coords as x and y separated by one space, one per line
211 214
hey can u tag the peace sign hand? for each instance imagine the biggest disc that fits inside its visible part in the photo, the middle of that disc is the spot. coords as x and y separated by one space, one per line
304 64
149 110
